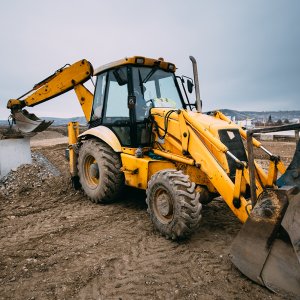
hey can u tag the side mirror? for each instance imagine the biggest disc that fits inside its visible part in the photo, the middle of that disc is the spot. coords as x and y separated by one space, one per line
190 86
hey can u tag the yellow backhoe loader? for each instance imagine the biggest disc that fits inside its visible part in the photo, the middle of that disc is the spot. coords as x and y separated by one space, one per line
144 132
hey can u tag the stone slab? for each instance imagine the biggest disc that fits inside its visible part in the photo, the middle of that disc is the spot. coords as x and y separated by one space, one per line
13 153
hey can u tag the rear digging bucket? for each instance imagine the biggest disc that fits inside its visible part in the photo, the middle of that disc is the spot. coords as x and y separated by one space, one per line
28 123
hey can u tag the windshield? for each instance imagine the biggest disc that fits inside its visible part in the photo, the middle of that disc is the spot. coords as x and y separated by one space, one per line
157 87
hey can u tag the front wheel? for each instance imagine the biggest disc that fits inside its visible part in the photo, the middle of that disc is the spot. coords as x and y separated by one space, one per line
173 204
99 171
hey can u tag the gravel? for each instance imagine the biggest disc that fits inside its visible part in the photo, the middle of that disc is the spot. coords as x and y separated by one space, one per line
28 176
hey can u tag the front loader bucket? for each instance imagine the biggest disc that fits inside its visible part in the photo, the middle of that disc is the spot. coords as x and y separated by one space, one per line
29 123
292 173
267 249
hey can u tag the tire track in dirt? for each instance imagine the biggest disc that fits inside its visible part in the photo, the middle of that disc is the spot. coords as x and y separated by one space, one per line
46 222
151 267
59 234
61 246
156 268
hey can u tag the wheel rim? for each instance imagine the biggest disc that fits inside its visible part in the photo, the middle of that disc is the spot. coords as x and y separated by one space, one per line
91 171
163 206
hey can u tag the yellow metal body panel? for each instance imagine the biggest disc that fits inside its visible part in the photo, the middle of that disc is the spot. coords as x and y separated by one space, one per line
73 132
61 82
149 62
128 150
201 124
184 132
104 134
239 184
203 157
261 174
197 176
13 103
85 98
281 167
206 150
216 175
138 171
174 157
272 174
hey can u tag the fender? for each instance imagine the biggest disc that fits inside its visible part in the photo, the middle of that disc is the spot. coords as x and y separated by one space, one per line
105 134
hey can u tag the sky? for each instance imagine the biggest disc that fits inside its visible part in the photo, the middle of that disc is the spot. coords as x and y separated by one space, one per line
247 51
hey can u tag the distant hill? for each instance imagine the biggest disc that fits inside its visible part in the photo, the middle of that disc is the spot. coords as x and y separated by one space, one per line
65 121
238 115
57 121
262 115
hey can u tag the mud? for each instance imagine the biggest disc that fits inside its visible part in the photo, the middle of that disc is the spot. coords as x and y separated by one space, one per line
55 244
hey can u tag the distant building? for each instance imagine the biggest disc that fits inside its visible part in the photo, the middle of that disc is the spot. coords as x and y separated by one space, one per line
295 120
247 124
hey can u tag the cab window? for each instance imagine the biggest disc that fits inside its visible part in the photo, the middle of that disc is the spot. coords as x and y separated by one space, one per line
116 102
99 97
157 87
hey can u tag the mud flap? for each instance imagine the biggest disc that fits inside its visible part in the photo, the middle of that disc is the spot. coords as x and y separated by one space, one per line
267 248
29 123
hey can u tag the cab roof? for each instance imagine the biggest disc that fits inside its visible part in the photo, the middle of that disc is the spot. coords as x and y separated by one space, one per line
138 61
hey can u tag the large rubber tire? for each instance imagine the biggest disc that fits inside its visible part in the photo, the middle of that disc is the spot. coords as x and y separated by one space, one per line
99 171
173 204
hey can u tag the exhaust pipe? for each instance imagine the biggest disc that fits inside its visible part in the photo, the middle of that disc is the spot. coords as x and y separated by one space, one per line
196 80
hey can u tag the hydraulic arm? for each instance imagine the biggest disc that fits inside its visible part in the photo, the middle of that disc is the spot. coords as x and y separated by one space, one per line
63 80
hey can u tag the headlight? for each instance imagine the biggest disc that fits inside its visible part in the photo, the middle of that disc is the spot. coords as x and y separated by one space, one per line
140 60
171 67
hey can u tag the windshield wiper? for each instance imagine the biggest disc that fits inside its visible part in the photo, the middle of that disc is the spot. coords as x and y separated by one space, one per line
150 74
141 82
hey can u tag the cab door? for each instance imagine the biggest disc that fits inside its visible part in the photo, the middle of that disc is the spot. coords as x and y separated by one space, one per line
110 106
119 104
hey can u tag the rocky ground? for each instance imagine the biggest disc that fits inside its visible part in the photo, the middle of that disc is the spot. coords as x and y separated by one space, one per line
27 177
55 244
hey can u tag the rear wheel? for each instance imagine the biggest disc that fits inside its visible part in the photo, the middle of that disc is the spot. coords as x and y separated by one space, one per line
173 204
99 171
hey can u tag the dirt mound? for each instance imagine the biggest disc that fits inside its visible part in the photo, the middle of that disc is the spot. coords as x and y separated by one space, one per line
47 134
28 176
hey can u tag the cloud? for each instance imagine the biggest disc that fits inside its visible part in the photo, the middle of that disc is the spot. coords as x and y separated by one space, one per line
247 51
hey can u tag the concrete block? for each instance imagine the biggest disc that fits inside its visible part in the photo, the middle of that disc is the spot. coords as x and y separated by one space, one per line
13 153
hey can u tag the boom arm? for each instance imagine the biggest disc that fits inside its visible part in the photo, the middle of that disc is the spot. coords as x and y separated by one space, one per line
194 139
63 80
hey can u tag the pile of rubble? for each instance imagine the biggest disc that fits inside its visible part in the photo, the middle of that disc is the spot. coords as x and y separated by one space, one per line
28 176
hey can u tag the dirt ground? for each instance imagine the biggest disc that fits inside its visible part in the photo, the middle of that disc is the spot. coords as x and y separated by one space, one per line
55 244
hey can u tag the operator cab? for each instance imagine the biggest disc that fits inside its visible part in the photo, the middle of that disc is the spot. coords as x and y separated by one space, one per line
126 91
